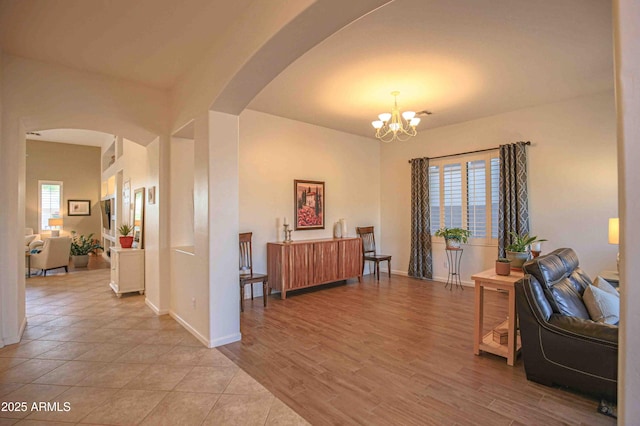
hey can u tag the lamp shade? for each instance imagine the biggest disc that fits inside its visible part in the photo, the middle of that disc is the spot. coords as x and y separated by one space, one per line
614 230
55 221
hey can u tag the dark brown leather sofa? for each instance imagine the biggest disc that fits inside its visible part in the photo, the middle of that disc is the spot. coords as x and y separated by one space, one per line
560 344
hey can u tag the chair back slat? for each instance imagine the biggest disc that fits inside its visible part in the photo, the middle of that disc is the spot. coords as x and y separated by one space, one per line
246 261
368 239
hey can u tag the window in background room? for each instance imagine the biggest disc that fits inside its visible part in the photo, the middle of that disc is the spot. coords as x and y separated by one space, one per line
49 202
464 194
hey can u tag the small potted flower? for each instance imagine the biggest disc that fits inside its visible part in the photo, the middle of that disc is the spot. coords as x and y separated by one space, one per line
126 240
518 250
503 266
453 237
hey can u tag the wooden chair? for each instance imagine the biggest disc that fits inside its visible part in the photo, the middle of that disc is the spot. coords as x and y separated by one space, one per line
246 270
369 250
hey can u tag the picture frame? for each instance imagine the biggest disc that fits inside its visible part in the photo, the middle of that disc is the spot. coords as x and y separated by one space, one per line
309 204
151 195
78 207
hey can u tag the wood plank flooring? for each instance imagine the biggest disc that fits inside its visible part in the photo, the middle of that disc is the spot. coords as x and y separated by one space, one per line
394 352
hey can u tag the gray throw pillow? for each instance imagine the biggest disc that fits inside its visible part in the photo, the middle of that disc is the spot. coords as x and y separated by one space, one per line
604 285
602 306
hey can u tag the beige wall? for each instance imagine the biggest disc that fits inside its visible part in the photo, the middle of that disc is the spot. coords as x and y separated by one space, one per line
627 50
274 151
572 179
78 167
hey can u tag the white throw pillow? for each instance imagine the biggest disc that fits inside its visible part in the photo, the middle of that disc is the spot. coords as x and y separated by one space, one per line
602 306
29 238
605 285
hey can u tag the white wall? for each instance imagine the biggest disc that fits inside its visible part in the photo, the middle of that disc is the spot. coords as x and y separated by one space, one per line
152 245
182 174
627 51
274 151
572 179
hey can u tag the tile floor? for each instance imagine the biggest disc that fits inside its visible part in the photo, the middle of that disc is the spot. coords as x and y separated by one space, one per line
98 359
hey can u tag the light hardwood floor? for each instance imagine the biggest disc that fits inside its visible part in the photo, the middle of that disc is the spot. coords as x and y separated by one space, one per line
394 352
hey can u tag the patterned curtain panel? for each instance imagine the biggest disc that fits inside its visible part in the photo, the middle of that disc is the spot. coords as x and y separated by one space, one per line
420 262
513 214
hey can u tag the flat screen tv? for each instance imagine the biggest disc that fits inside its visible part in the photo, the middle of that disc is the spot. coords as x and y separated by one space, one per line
105 207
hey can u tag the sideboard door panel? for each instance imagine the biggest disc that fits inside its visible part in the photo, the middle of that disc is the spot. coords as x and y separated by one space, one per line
300 272
350 257
325 262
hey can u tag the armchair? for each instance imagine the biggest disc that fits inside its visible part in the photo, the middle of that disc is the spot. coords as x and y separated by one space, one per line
55 254
560 344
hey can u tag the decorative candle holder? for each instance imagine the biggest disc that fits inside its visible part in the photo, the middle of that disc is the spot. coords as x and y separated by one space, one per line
287 233
535 253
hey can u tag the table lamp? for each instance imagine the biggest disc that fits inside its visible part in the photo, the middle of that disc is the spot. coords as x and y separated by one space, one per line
55 222
614 236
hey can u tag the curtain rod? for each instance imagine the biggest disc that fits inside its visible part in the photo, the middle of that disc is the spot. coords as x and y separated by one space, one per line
465 153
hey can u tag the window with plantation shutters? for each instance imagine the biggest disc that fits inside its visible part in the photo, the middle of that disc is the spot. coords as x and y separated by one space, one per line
49 202
463 193
452 195
477 198
495 196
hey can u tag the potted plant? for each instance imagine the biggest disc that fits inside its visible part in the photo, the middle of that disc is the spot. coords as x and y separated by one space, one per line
518 250
126 241
81 246
453 236
503 266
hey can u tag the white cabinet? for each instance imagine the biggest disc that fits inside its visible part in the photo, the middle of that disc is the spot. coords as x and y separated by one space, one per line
127 270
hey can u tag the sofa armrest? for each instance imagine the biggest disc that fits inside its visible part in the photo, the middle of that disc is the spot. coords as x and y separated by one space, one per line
584 329
35 244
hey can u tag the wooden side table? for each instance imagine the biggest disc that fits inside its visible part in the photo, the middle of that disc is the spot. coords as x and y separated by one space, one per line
485 343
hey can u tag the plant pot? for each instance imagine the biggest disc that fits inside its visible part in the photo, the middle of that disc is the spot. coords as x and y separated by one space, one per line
452 243
126 242
517 259
80 261
503 268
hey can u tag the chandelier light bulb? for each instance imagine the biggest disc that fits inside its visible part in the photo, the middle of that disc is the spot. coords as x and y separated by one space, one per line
385 116
394 125
408 115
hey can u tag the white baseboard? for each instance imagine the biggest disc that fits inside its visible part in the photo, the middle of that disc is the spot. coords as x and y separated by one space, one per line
210 344
14 339
190 329
235 337
463 282
440 279
154 308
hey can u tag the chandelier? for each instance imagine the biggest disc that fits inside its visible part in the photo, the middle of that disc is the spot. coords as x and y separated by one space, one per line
395 126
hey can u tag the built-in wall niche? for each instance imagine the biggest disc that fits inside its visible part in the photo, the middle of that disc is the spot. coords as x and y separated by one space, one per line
182 196
112 153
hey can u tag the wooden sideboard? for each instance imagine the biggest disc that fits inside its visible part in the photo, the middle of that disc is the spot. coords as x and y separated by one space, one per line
307 263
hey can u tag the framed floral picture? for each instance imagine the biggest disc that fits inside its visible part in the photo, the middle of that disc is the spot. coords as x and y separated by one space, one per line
309 204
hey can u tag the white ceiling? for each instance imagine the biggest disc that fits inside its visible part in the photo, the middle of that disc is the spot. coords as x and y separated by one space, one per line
153 42
460 59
